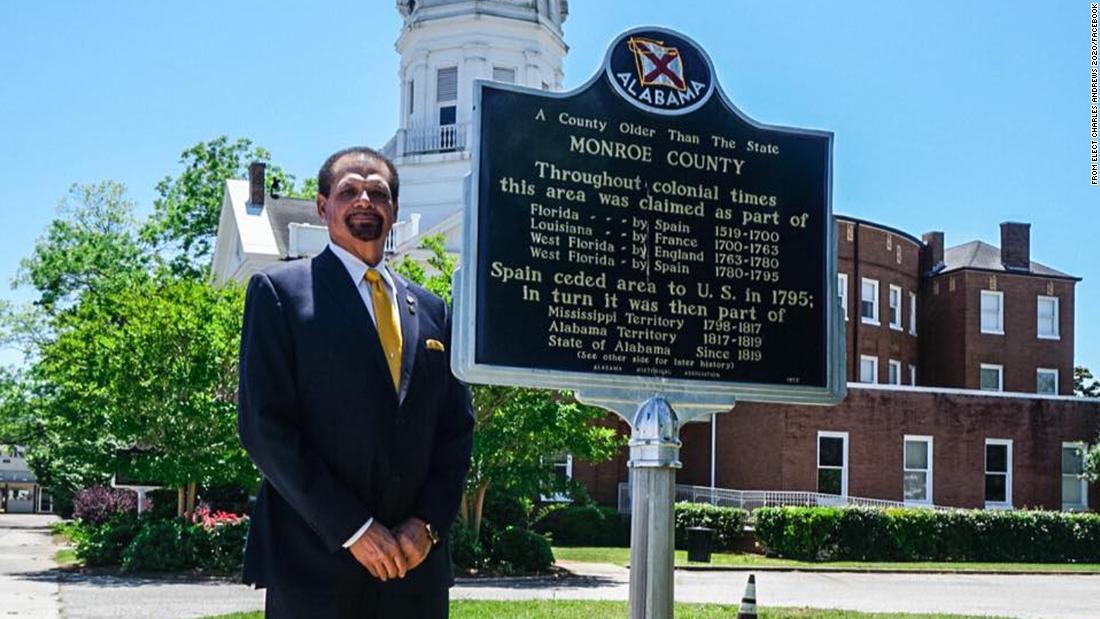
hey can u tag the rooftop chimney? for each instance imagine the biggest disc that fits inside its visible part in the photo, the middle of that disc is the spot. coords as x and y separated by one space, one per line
932 254
256 171
1016 246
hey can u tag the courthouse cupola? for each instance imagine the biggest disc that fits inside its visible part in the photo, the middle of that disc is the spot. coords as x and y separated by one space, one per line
446 44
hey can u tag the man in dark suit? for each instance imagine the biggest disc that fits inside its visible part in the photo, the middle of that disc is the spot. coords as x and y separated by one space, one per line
348 407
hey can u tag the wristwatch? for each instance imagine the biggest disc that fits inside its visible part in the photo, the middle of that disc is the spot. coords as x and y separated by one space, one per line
432 535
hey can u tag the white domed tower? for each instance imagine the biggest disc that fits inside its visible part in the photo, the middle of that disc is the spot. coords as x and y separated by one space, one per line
445 45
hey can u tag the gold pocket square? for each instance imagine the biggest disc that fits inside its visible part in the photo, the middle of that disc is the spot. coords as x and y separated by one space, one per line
435 345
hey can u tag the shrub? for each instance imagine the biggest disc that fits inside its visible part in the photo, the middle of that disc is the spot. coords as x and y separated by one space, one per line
503 508
466 551
97 504
728 523
164 545
229 498
584 525
520 550
161 504
104 543
829 533
220 548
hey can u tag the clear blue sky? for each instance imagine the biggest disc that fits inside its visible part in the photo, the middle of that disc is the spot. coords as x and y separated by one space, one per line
953 116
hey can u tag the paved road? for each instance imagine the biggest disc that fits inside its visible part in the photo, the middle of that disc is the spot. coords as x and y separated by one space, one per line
1047 597
29 587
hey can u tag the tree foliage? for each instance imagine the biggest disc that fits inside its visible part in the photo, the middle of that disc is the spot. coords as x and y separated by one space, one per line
131 365
186 213
1084 384
518 432
93 243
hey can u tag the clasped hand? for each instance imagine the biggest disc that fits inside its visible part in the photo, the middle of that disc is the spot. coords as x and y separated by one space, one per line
388 554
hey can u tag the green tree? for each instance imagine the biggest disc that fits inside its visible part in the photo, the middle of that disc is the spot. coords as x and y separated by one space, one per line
93 243
1084 384
142 381
186 213
518 432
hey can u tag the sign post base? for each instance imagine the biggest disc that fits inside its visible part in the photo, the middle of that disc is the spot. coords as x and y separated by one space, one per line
654 458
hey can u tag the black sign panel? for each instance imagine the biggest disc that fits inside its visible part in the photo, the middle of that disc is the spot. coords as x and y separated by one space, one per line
642 227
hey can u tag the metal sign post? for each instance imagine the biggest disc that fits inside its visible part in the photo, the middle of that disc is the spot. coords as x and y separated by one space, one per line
642 242
654 457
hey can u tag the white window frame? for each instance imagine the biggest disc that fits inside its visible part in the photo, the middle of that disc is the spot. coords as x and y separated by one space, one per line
842 286
560 498
913 375
893 365
1000 376
1000 296
912 313
504 69
1084 504
873 320
917 438
441 103
874 372
894 312
1040 371
1007 442
1039 323
844 466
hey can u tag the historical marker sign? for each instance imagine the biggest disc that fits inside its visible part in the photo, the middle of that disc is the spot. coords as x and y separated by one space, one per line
640 233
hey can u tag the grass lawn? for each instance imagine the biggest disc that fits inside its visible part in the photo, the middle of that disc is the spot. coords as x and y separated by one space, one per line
66 557
621 556
562 609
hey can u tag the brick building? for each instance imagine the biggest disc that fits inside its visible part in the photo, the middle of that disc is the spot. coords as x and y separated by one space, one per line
960 369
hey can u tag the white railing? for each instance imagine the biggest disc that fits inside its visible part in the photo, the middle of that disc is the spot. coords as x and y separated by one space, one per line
749 500
426 140
389 149
402 232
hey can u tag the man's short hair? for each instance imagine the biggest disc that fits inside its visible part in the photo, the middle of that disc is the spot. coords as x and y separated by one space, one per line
324 176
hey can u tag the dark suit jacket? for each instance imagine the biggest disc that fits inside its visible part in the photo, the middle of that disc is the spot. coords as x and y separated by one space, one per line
336 443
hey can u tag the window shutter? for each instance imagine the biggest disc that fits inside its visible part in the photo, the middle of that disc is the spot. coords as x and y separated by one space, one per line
446 85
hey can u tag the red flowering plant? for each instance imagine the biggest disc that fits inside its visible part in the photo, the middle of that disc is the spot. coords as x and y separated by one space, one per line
212 520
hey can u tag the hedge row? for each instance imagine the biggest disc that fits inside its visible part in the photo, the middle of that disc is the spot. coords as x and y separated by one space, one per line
856 534
728 523
593 525
147 544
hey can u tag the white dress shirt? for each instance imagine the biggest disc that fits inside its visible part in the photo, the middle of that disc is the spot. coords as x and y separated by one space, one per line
357 270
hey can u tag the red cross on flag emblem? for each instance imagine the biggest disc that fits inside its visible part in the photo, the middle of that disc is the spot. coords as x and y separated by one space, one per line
658 65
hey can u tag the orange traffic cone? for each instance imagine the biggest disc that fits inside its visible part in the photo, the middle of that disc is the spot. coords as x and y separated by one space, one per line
748 602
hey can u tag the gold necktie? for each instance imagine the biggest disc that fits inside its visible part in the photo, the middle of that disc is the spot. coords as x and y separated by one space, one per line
387 321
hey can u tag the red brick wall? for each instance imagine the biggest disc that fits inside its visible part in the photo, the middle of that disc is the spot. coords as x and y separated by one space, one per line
866 251
954 348
774 447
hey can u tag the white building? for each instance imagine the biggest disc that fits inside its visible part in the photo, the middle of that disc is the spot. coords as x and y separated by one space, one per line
444 45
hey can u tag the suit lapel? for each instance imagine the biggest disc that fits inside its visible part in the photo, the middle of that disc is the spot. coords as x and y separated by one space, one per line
336 281
410 331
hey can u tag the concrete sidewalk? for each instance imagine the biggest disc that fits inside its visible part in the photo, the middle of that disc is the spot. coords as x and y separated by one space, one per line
28 583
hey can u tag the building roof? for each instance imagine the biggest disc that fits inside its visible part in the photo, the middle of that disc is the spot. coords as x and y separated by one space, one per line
985 257
282 212
883 227
15 470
